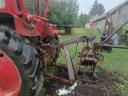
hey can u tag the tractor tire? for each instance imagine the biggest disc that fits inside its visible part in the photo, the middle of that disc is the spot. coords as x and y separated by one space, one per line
25 58
53 53
56 45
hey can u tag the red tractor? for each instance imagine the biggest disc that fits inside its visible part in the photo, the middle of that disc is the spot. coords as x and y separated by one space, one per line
27 46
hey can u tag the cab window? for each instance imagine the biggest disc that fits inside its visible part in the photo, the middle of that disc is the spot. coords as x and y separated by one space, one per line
2 3
31 6
18 5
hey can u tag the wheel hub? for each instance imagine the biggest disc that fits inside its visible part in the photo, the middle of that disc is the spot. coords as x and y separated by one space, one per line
10 81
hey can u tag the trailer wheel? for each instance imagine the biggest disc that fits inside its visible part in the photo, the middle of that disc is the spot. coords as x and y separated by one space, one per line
26 61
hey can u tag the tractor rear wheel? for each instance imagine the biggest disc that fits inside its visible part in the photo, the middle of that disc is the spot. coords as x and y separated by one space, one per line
26 61
52 52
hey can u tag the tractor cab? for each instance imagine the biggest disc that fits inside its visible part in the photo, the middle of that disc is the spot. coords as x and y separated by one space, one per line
12 7
38 7
27 17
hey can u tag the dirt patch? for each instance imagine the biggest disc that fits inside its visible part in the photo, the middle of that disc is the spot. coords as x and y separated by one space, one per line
103 84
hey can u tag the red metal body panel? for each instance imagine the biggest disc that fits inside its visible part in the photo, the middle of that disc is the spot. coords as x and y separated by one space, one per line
27 24
32 25
11 7
10 81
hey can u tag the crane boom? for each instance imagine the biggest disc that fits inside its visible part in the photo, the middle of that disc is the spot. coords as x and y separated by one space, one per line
119 16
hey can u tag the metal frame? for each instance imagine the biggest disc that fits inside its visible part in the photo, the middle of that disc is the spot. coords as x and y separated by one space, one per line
102 44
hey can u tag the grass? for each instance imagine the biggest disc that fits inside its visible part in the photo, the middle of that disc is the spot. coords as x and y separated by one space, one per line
117 61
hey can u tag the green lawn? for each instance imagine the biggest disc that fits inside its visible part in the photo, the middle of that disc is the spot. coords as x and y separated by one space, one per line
117 61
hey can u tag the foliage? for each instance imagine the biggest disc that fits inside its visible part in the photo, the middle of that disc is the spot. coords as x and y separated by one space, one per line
97 9
28 7
122 88
63 12
123 35
31 6
83 19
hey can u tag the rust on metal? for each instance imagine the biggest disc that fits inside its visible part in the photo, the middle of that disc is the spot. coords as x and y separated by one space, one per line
61 80
87 57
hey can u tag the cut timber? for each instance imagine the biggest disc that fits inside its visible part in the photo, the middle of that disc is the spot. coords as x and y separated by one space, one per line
69 63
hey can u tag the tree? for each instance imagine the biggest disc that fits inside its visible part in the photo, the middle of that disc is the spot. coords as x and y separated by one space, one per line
83 19
32 7
97 9
63 13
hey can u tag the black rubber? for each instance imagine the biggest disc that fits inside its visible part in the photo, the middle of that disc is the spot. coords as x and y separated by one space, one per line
26 58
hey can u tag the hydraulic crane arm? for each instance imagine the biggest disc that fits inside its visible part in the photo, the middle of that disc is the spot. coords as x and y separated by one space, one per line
119 15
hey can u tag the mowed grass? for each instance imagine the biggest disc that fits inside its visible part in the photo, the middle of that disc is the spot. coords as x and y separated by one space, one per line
116 62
